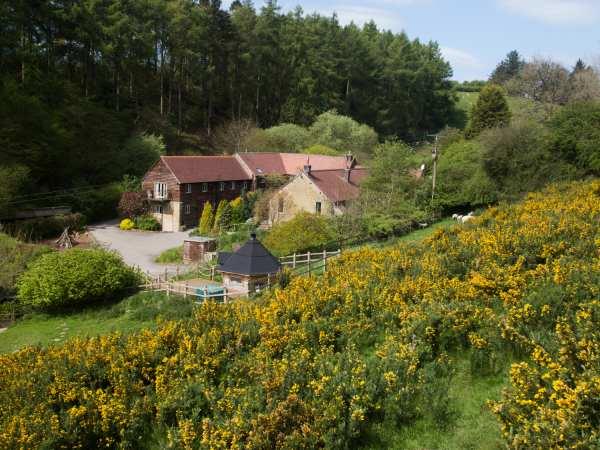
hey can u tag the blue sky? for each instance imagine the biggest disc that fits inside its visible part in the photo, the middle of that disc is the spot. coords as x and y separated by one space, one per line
475 34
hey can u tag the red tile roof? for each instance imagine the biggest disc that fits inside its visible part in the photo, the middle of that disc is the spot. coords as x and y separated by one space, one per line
334 185
196 169
289 163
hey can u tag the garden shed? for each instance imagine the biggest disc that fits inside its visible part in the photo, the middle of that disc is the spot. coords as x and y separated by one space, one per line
250 268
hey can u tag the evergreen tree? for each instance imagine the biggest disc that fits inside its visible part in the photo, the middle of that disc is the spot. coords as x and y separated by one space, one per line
490 111
206 220
508 68
218 216
226 218
579 67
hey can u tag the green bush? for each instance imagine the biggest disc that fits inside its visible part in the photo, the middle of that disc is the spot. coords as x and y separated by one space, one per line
15 257
490 111
75 277
304 233
147 223
575 135
171 256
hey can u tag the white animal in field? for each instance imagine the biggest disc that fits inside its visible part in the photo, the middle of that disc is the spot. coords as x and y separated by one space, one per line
463 219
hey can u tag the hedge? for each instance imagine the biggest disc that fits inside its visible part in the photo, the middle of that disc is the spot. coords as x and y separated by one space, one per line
75 277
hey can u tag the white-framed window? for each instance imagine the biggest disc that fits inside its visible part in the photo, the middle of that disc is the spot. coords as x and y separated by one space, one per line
204 187
318 208
187 209
188 188
158 209
160 190
233 185
245 186
222 186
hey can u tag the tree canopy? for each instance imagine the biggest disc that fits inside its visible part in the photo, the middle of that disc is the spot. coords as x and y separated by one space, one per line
490 111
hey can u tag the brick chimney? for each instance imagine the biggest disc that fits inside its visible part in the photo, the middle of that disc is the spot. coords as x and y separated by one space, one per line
349 164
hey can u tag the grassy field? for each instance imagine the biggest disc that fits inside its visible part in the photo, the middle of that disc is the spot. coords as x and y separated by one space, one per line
143 310
472 426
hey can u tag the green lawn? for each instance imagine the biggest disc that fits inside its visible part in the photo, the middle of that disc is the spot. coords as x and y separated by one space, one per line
143 310
171 256
415 236
473 427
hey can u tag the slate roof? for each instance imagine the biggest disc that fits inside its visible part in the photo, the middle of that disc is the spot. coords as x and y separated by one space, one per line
333 183
288 163
197 169
251 259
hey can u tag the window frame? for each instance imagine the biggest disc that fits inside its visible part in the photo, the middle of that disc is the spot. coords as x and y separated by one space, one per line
188 188
221 186
161 190
204 187
158 209
232 186
187 209
318 208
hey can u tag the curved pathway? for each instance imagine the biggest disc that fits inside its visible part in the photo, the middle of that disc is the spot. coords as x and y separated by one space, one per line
138 248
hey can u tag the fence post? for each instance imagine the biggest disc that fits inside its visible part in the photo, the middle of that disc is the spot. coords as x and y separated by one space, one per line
268 280
166 274
324 264
186 290
294 260
308 257
225 294
212 273
205 292
168 288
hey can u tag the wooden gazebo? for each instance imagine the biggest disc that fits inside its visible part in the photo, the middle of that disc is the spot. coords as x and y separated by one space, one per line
250 268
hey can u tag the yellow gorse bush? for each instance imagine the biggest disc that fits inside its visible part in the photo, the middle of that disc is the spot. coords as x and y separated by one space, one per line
321 362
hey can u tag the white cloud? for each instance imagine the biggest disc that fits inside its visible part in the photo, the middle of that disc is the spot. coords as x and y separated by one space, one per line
559 12
461 58
359 14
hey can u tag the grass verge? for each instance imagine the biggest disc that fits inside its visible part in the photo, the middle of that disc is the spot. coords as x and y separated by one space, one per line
171 256
142 310
473 427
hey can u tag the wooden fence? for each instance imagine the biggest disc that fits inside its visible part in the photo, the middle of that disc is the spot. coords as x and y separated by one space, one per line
304 264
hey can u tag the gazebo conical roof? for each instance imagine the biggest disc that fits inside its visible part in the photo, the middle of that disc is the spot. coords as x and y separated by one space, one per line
251 259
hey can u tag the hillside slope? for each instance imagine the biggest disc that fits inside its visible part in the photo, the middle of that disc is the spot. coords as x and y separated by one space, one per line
332 361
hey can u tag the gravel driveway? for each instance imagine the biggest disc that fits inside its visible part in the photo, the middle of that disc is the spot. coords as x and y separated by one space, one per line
138 248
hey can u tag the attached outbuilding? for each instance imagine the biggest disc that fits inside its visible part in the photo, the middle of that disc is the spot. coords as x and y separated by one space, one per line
250 268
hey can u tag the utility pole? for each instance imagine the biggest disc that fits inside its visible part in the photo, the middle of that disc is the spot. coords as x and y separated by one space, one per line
434 156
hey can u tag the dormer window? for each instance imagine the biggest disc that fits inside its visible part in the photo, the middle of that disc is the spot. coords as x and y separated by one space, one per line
160 191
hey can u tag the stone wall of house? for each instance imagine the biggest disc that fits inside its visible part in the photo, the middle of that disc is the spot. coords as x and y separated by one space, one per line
298 195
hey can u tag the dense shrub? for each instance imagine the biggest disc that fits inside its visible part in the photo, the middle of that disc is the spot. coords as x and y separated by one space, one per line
15 256
462 181
490 111
75 277
98 204
147 223
305 232
575 135
132 204
517 159
45 227
127 224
